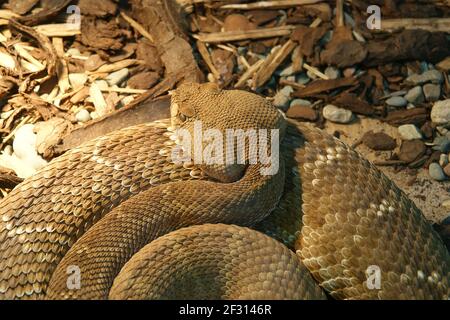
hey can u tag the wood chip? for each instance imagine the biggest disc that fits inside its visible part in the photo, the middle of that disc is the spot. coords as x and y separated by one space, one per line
228 36
101 107
272 62
269 4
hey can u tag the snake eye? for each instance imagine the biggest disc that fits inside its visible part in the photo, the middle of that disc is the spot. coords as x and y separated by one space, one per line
182 117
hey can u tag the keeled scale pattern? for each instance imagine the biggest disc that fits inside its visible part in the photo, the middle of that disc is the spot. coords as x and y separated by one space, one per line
43 216
215 262
355 217
102 251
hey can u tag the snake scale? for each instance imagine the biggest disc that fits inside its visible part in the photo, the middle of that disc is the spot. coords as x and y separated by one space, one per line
142 227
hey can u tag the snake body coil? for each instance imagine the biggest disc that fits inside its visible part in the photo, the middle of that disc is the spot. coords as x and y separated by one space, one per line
336 210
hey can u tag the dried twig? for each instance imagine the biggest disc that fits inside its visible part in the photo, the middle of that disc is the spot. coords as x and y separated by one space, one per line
272 62
136 25
217 37
248 74
207 58
315 71
269 4
59 29
429 24
43 41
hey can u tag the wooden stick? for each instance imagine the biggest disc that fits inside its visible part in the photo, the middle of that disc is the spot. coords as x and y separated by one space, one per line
430 24
124 90
269 4
340 13
217 37
136 25
249 73
272 62
59 29
315 71
207 58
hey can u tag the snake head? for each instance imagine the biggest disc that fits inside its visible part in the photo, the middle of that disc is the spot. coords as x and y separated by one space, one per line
225 113
186 102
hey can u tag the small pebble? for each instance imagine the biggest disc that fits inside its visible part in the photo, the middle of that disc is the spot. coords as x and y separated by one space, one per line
303 78
301 102
83 116
94 115
443 160
397 93
410 106
332 72
415 95
282 97
411 150
349 20
287 71
432 91
433 76
440 113
116 78
447 170
436 172
445 146
77 80
409 132
338 115
397 102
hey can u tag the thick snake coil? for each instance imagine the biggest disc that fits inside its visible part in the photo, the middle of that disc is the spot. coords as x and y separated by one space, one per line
171 237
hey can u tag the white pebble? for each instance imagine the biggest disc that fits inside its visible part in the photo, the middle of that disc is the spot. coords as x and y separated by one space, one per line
338 115
409 132
440 113
83 116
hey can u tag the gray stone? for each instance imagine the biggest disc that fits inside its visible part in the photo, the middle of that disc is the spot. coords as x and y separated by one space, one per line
116 78
396 93
440 113
398 102
332 72
432 91
415 95
445 146
301 102
443 160
433 76
338 115
409 132
436 172
83 116
303 78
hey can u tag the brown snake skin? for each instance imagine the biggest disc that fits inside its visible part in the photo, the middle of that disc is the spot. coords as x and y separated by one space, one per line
339 213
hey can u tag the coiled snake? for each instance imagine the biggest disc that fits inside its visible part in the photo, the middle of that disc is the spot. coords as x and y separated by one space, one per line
139 226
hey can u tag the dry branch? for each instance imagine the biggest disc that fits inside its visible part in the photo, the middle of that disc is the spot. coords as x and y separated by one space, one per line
217 37
269 4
